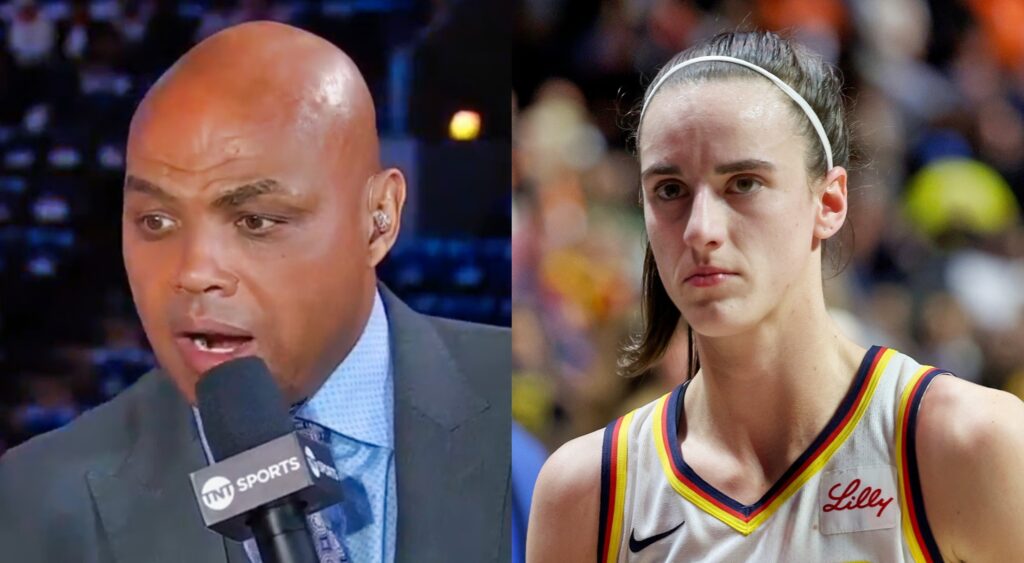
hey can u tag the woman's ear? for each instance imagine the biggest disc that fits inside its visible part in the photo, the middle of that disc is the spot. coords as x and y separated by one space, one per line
832 204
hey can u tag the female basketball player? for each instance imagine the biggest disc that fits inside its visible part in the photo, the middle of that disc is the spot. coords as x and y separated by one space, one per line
791 442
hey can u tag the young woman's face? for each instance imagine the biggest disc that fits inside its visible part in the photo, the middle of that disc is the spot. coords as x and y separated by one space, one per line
729 209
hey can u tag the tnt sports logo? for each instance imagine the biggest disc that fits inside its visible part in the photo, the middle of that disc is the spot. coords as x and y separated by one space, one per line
313 465
218 493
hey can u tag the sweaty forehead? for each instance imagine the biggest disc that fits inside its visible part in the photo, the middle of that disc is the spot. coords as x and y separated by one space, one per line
252 89
196 135
730 115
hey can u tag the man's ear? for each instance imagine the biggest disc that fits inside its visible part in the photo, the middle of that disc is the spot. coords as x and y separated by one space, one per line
387 197
832 204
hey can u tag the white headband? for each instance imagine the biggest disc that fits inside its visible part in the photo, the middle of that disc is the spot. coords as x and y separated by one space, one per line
800 101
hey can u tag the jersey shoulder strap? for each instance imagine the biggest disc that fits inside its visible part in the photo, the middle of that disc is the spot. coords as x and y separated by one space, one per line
618 445
916 531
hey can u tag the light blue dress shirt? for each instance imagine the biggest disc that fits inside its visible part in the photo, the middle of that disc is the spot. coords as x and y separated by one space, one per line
356 404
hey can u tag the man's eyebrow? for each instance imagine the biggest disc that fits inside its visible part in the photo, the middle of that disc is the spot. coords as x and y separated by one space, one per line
241 194
134 184
744 165
232 198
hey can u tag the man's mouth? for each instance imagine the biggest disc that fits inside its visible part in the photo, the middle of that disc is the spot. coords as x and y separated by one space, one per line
217 343
205 343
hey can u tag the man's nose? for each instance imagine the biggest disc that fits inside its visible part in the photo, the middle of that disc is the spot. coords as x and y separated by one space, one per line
202 269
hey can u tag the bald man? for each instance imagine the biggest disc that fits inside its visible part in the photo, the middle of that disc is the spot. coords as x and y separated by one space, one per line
255 212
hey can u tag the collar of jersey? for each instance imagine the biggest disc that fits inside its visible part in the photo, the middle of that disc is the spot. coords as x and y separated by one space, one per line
743 517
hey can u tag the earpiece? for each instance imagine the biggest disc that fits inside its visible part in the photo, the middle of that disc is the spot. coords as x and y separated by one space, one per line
381 221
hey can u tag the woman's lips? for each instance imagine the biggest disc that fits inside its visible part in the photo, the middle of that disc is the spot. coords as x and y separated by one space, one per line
708 280
708 276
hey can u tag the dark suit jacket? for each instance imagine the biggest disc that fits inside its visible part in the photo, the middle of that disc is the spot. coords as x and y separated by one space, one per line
113 486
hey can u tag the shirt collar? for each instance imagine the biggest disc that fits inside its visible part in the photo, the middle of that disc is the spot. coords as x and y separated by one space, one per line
357 400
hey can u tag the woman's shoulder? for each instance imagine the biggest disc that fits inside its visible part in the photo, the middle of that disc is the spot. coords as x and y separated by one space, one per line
566 503
959 419
574 471
970 451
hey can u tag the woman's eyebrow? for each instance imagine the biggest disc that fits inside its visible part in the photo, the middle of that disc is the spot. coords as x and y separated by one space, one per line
744 165
660 169
667 168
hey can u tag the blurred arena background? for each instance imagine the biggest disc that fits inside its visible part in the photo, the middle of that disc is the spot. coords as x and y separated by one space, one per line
936 255
71 74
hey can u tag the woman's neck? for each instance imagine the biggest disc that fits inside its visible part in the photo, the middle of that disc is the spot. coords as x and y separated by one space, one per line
761 397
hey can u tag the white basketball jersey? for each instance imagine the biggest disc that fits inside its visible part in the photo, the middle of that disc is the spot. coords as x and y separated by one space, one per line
853 495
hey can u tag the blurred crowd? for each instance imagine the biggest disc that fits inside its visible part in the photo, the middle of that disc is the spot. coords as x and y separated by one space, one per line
931 262
71 74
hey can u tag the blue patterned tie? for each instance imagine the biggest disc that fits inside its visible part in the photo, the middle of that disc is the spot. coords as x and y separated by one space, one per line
355 529
353 413
327 526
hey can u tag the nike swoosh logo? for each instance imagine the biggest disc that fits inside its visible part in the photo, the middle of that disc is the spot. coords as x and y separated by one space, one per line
636 545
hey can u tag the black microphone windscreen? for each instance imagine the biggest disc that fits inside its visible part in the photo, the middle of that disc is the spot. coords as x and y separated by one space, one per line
241 407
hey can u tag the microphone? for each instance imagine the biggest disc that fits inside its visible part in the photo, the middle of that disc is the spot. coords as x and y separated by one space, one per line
267 477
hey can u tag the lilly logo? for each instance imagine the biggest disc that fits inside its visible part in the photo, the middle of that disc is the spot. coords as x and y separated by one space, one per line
218 493
858 499
855 497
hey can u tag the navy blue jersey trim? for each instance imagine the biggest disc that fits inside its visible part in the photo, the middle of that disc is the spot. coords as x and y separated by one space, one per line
607 495
910 451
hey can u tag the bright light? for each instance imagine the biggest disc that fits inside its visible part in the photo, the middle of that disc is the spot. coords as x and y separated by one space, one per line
465 126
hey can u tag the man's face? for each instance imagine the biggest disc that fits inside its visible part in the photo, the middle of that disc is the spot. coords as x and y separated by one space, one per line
239 239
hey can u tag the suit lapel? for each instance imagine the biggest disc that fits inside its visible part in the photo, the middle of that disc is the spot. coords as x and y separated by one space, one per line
432 457
148 513
145 505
